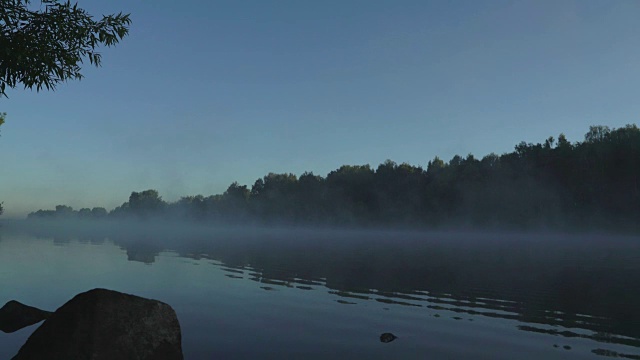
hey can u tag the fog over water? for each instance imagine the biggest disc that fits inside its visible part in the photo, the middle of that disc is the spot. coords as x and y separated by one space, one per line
573 290
299 179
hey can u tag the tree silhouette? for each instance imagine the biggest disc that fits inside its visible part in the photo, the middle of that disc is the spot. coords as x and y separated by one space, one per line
41 48
594 184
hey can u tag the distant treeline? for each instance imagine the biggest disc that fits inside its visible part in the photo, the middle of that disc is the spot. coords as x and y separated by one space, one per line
593 184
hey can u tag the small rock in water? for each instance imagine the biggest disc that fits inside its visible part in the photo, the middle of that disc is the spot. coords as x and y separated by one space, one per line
387 337
15 316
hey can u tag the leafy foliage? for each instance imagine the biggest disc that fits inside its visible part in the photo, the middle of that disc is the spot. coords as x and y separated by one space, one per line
3 117
44 46
593 184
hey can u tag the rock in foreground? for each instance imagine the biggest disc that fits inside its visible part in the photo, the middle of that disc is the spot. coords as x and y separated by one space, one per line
15 316
105 325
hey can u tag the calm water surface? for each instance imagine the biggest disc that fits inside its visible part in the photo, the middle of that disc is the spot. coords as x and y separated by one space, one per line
330 294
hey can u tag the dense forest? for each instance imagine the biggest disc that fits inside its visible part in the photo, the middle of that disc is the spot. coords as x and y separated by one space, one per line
593 184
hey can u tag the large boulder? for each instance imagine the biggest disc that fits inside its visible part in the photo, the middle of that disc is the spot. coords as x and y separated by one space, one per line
15 315
105 325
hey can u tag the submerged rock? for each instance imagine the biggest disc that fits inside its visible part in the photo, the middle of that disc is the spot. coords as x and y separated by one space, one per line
15 316
387 337
103 324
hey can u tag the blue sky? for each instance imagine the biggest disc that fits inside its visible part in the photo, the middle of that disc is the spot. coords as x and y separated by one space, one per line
205 93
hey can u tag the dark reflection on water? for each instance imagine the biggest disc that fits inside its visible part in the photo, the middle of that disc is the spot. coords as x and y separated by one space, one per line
602 326
583 287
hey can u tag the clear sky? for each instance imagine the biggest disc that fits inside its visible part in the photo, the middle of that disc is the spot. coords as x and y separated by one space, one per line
204 93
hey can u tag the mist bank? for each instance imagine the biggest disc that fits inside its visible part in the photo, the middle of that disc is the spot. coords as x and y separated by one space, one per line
568 281
555 185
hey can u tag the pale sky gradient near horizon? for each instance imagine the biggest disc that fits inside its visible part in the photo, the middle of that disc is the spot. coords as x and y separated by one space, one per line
201 94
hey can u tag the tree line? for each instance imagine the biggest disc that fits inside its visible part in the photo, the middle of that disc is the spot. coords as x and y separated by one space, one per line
555 184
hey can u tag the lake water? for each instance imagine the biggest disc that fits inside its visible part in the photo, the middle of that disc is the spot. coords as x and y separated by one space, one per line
330 294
